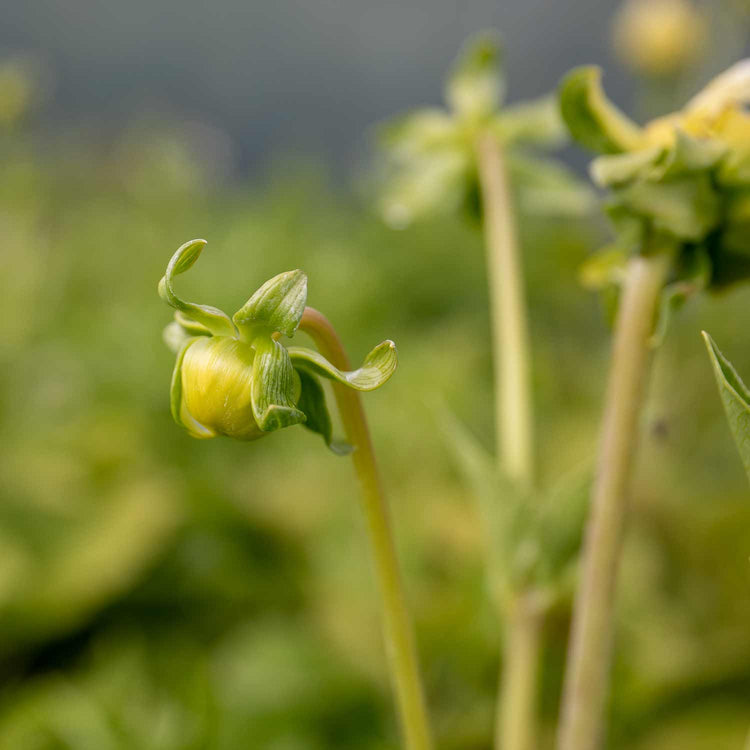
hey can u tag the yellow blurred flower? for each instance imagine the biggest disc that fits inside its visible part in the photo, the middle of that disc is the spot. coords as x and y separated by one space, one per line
658 37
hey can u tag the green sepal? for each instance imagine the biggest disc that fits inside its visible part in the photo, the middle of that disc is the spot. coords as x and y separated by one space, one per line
689 155
312 402
377 368
736 399
617 169
476 86
591 118
273 386
277 306
180 416
687 207
213 319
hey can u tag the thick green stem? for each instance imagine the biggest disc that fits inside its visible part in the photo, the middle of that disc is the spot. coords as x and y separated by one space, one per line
586 691
515 716
397 627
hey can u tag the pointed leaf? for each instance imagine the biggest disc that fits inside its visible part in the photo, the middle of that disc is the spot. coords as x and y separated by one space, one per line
476 87
419 133
273 386
277 306
216 321
537 122
312 402
377 368
591 118
735 397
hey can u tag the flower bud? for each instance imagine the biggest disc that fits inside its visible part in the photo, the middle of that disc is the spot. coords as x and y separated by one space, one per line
658 37
234 377
217 382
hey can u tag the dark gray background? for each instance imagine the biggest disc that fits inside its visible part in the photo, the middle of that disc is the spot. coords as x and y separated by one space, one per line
301 76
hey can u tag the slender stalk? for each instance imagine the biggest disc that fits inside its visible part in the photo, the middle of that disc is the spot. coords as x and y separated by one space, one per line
397 627
586 681
515 716
510 336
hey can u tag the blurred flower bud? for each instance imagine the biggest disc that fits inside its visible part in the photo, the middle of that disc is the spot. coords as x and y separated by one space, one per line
658 37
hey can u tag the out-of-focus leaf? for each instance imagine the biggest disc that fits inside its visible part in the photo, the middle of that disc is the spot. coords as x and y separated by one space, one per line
736 399
536 122
476 87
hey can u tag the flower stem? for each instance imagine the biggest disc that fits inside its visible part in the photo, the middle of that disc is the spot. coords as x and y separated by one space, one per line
397 627
510 336
515 716
586 681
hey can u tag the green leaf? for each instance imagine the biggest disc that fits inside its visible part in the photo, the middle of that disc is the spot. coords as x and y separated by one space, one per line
475 87
537 122
735 397
277 306
312 402
213 319
591 118
377 368
418 134
273 386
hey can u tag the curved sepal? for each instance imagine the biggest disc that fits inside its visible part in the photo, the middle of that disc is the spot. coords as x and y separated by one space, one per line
591 118
273 386
476 86
377 368
213 319
312 402
735 397
277 306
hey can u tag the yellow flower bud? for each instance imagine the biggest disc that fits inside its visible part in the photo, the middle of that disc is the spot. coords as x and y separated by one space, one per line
658 37
217 378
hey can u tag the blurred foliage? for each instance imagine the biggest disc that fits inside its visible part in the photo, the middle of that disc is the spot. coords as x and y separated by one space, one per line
158 592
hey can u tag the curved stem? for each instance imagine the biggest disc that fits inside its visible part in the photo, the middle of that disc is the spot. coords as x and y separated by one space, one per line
515 714
399 639
587 674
